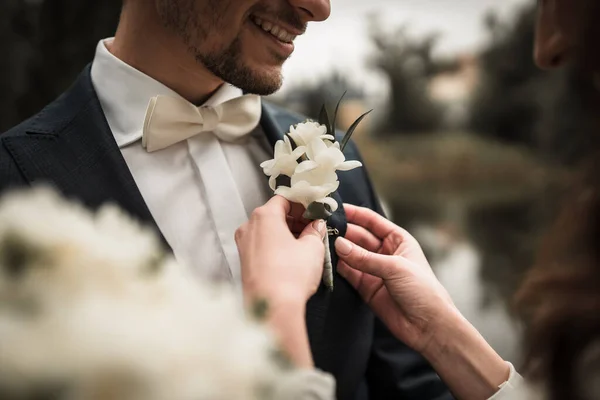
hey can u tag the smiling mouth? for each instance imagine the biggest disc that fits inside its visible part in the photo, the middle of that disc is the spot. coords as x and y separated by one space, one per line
276 31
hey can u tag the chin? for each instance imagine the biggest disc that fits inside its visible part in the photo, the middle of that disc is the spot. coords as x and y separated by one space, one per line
261 81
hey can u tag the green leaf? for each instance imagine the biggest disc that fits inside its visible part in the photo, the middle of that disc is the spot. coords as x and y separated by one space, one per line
351 130
324 119
337 107
317 211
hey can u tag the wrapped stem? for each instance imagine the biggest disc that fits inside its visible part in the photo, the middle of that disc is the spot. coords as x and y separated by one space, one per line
328 266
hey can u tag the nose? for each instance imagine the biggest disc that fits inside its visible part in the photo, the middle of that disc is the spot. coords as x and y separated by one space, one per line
313 10
551 51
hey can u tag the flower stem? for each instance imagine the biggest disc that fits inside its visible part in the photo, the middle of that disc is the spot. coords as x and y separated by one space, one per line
328 266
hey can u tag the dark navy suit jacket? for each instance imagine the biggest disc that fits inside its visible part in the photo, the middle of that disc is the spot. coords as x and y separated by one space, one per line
70 146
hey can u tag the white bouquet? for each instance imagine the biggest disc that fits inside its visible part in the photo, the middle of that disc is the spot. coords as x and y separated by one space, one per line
91 308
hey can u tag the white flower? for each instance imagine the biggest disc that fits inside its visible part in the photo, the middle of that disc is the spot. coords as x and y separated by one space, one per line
314 179
326 155
284 162
321 175
306 132
305 193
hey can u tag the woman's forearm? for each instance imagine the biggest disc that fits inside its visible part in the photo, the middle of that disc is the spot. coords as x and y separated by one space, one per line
288 322
465 361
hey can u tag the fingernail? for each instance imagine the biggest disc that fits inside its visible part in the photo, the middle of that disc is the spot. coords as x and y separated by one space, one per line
343 246
319 226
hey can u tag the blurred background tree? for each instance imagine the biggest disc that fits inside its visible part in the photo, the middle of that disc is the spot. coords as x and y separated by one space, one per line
409 65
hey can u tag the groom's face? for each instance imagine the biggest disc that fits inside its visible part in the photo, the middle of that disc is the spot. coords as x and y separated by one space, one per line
243 42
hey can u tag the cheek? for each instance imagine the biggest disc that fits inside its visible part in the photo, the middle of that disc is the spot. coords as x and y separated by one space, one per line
572 18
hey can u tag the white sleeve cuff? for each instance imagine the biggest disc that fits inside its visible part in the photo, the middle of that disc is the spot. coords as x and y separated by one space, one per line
306 384
510 387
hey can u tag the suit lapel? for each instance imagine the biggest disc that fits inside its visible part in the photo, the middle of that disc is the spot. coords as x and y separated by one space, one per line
70 146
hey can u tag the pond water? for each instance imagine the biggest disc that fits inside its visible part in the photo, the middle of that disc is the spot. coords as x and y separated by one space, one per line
459 270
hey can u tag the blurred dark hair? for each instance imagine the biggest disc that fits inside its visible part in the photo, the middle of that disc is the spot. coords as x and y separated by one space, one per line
560 299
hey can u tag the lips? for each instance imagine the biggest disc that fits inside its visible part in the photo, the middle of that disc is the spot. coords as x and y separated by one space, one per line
275 30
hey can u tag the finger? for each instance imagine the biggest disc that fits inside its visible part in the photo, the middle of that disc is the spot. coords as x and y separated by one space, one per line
240 233
298 227
370 220
362 237
360 259
272 217
314 232
366 285
297 212
352 275
278 205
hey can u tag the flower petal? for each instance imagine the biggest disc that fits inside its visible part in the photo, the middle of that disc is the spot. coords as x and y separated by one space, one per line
285 191
333 187
330 157
349 165
316 177
267 165
306 166
314 148
280 149
273 183
288 143
333 205
299 152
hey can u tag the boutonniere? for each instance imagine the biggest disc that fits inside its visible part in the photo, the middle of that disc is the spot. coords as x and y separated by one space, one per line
304 170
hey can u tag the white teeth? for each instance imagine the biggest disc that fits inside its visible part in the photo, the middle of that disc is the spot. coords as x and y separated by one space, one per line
275 30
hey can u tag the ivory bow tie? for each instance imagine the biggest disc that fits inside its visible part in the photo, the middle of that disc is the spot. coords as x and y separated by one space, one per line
170 120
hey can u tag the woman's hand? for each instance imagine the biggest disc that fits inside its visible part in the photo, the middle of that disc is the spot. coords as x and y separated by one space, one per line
282 263
388 268
275 264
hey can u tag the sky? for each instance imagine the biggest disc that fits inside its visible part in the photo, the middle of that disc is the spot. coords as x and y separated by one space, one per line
341 43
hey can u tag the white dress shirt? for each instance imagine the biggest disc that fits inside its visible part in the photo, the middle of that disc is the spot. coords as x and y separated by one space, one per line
185 186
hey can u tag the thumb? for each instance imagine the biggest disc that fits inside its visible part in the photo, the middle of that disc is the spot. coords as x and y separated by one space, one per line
314 231
360 259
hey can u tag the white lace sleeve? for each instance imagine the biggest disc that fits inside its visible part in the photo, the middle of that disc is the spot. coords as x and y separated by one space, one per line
305 385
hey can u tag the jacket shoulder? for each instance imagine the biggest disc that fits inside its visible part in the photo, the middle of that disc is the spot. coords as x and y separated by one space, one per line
50 120
21 129
61 112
